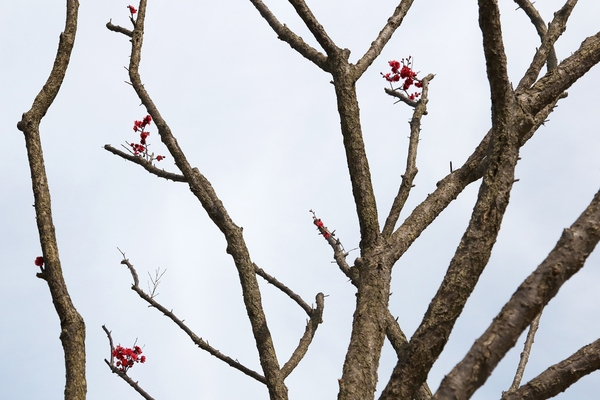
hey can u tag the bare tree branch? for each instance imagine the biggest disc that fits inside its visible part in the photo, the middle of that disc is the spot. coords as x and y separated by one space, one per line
118 29
533 327
400 344
314 26
316 318
411 160
540 26
356 156
271 279
121 374
556 28
561 376
495 60
72 335
195 338
401 97
295 41
555 82
566 259
147 165
476 245
205 193
384 36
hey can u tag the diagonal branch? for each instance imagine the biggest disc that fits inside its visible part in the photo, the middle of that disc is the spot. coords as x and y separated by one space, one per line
295 41
546 50
453 184
567 258
533 327
147 165
314 26
540 26
273 281
555 82
411 160
382 39
195 338
316 318
559 377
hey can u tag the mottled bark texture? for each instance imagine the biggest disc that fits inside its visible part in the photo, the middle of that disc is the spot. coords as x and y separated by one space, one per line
72 333
516 115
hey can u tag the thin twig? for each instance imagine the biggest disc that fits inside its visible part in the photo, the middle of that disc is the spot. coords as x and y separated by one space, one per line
273 281
339 254
555 30
525 353
147 165
118 29
540 26
561 376
155 281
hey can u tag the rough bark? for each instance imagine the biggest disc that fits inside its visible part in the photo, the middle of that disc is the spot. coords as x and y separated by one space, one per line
72 333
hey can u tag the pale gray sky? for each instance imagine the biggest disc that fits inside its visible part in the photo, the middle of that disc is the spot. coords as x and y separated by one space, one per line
261 123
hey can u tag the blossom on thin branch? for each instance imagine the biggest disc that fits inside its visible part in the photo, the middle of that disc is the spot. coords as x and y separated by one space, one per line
403 71
132 10
321 227
127 357
141 148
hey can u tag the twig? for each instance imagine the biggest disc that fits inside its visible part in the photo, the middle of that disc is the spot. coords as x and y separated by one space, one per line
273 281
147 165
120 373
339 254
525 353
401 96
155 281
559 377
546 50
540 26
118 29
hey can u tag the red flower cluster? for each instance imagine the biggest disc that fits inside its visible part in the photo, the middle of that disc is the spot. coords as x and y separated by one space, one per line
142 147
140 125
403 70
39 261
132 10
321 227
126 357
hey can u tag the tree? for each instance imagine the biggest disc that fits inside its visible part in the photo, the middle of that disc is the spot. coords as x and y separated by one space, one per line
516 115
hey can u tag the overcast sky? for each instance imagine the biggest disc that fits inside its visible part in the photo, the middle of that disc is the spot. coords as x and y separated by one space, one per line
261 123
